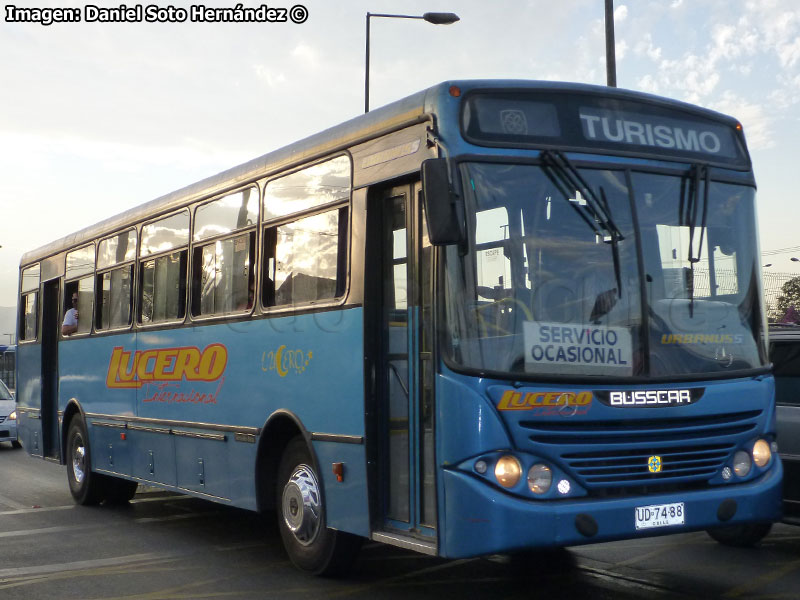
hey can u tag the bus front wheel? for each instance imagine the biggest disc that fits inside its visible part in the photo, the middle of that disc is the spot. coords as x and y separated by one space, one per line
86 487
740 535
310 544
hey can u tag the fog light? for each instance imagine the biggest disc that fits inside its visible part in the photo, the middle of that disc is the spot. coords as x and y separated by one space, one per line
761 453
507 471
563 486
727 473
742 463
540 478
481 466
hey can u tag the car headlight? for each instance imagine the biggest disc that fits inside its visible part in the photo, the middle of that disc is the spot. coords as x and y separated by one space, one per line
12 416
742 463
761 453
508 471
540 478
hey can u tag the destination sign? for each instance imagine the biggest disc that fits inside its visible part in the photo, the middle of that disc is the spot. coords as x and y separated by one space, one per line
599 123
577 349
656 131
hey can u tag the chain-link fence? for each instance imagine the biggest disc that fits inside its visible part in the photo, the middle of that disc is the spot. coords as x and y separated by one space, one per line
773 282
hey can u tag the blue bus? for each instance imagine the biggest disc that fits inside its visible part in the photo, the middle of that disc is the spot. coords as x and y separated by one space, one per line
490 317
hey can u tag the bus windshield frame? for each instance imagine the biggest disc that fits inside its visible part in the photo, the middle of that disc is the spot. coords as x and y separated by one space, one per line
653 242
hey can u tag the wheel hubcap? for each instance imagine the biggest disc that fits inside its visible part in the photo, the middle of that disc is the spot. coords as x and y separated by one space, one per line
78 459
301 506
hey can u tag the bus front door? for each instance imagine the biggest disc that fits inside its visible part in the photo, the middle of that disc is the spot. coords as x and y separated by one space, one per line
403 382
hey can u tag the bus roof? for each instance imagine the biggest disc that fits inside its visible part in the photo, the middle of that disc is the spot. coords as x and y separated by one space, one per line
399 114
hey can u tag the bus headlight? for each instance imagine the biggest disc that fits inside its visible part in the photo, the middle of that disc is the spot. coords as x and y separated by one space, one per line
540 478
508 471
742 463
761 453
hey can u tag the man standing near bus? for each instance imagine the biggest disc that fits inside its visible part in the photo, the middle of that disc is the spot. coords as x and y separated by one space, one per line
70 324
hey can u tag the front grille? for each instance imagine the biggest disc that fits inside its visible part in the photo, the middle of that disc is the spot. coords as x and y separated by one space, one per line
630 466
613 455
2 419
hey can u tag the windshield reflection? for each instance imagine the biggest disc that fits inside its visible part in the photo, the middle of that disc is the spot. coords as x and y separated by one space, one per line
552 283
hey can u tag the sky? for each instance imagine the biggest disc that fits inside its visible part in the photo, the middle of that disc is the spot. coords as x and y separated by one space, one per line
96 118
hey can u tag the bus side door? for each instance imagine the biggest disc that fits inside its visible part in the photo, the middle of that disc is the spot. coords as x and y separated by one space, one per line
399 298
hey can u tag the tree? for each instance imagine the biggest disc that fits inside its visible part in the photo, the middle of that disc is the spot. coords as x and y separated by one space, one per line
788 304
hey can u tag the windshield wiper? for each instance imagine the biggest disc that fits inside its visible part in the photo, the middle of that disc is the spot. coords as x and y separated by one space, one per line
596 212
688 210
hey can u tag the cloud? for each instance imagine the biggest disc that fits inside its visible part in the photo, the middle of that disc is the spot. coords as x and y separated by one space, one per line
754 117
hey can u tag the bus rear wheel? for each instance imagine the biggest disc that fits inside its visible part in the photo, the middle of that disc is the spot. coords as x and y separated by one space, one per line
86 487
310 544
742 536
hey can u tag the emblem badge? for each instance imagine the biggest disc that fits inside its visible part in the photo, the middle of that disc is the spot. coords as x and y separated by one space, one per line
654 464
514 122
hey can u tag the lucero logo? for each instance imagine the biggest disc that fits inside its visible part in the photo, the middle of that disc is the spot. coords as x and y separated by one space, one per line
135 369
649 398
511 400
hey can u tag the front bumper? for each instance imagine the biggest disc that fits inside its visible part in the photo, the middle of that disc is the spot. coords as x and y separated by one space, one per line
483 520
8 431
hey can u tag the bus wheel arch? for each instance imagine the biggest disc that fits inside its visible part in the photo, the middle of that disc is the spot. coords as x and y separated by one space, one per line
279 430
72 411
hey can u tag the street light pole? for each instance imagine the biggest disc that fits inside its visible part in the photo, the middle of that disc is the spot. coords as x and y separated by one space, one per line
611 57
430 17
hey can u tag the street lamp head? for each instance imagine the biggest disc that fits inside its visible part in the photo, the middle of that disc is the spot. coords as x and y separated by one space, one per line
438 18
768 265
793 259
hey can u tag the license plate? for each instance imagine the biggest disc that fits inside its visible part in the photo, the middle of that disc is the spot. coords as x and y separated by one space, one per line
659 515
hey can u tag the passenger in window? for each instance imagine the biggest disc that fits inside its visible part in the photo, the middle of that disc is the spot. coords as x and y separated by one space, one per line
70 324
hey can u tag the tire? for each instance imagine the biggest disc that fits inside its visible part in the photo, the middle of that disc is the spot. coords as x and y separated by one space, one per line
741 536
310 544
87 488
16 444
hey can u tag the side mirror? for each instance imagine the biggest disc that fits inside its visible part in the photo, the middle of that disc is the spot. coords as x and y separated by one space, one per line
441 203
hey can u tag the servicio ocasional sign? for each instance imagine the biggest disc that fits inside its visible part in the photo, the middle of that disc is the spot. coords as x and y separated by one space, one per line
577 349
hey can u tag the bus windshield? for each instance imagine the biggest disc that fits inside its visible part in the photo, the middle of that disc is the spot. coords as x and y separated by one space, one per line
573 272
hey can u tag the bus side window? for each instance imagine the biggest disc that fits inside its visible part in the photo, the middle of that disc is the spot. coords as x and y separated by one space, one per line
28 316
85 289
304 261
114 298
222 280
163 288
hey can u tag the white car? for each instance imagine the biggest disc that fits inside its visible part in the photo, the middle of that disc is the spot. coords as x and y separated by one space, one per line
8 417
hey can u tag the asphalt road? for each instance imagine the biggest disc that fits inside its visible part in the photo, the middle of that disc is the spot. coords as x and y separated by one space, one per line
165 547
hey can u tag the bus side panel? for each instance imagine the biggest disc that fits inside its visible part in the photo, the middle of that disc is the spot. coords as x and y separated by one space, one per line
29 396
238 374
83 367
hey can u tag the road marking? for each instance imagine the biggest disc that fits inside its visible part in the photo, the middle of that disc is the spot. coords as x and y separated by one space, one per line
21 509
11 503
81 564
43 530
26 510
